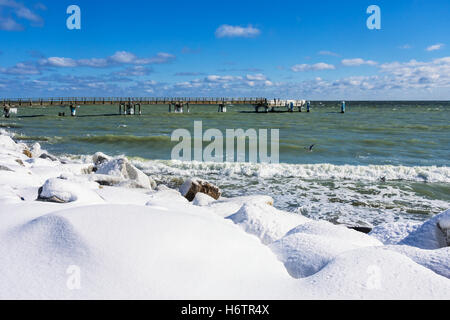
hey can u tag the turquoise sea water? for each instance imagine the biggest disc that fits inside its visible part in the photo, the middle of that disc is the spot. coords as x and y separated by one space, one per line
380 161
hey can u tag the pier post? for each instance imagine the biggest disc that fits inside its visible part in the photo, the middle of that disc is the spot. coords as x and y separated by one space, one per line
73 110
170 107
343 107
308 103
222 108
187 107
140 112
6 111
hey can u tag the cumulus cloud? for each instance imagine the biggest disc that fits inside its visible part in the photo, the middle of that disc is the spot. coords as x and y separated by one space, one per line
226 30
312 67
435 47
357 62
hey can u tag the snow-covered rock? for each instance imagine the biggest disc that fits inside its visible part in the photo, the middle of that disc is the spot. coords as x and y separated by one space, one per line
99 157
192 186
429 235
132 176
266 222
306 249
61 191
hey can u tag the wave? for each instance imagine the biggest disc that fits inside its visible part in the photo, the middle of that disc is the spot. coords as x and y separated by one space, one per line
432 174
114 139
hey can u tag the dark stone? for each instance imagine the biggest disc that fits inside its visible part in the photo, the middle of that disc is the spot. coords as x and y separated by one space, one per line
365 230
51 199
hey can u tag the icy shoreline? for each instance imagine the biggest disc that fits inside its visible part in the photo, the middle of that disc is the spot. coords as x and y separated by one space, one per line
129 239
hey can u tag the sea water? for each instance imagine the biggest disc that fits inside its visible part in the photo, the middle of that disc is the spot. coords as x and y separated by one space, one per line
378 162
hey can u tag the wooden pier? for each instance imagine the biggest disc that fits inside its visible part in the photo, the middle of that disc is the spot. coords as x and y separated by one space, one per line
133 105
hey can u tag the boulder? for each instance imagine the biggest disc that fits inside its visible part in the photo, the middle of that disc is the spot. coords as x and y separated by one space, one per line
192 186
48 156
131 176
27 153
62 191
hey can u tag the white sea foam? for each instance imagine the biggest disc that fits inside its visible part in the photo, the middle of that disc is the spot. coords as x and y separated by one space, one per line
304 171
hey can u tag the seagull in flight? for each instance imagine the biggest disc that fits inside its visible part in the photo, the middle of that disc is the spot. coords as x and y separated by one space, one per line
310 148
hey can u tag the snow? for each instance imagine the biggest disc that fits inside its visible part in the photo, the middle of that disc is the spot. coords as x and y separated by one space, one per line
69 191
306 249
118 242
266 222
428 235
393 233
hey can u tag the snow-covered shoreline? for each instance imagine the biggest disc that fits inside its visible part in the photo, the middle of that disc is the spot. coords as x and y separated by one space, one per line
128 239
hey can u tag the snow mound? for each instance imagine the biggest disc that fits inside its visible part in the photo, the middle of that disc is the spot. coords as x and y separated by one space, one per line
227 206
429 235
133 252
266 222
166 198
376 273
306 249
393 233
329 230
202 200
436 260
68 191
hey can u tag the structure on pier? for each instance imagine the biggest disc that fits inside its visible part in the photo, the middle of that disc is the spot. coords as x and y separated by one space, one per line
129 106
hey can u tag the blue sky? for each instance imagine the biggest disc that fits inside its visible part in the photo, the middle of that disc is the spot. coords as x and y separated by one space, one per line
283 49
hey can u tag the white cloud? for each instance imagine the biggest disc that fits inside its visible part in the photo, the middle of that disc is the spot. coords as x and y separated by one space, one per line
328 53
123 57
357 62
59 62
21 12
435 47
312 67
258 76
21 69
226 30
118 58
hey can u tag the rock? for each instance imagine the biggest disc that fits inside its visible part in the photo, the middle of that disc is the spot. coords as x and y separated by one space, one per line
48 199
88 170
62 191
99 158
27 153
362 229
48 156
192 186
106 180
122 168
446 231
4 168
20 162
